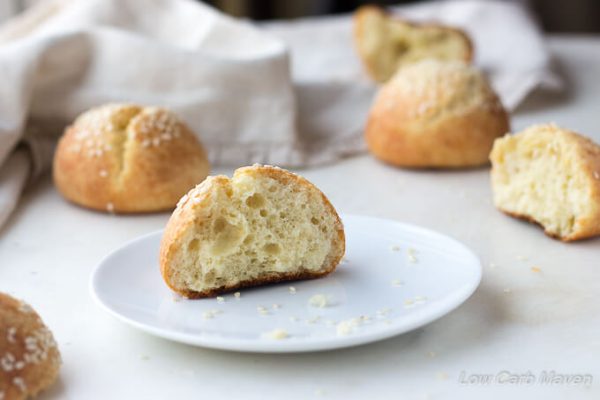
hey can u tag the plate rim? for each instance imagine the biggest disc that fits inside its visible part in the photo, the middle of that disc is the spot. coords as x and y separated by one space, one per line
292 346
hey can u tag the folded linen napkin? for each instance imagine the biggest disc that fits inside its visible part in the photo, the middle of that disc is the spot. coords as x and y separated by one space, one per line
229 80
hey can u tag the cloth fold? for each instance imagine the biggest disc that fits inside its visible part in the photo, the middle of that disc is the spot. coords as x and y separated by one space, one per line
287 93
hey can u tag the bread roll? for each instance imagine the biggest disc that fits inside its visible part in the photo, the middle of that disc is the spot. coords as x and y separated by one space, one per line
551 176
435 114
263 225
29 357
127 158
385 44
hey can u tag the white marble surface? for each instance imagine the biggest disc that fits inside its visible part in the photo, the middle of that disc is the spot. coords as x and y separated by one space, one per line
519 320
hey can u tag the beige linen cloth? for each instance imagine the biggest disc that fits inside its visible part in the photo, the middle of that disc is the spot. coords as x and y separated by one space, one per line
288 93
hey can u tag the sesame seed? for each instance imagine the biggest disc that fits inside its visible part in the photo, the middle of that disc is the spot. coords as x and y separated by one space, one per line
294 319
146 143
156 142
395 248
12 331
25 308
20 383
166 136
110 207
237 295
521 258
506 290
275 306
220 299
103 173
536 269
596 175
292 290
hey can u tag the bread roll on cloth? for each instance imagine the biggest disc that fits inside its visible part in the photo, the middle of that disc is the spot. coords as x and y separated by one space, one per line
128 158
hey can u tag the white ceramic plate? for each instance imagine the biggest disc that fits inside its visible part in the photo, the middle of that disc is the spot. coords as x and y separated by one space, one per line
394 278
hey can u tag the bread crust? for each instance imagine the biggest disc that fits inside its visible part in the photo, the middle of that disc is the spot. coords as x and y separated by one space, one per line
187 213
360 27
401 133
128 159
588 159
29 357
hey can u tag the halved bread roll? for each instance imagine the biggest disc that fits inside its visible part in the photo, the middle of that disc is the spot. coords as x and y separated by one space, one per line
550 176
385 43
263 225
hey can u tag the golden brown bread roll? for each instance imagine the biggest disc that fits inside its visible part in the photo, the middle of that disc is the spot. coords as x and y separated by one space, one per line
128 158
385 43
263 225
29 357
551 176
435 114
